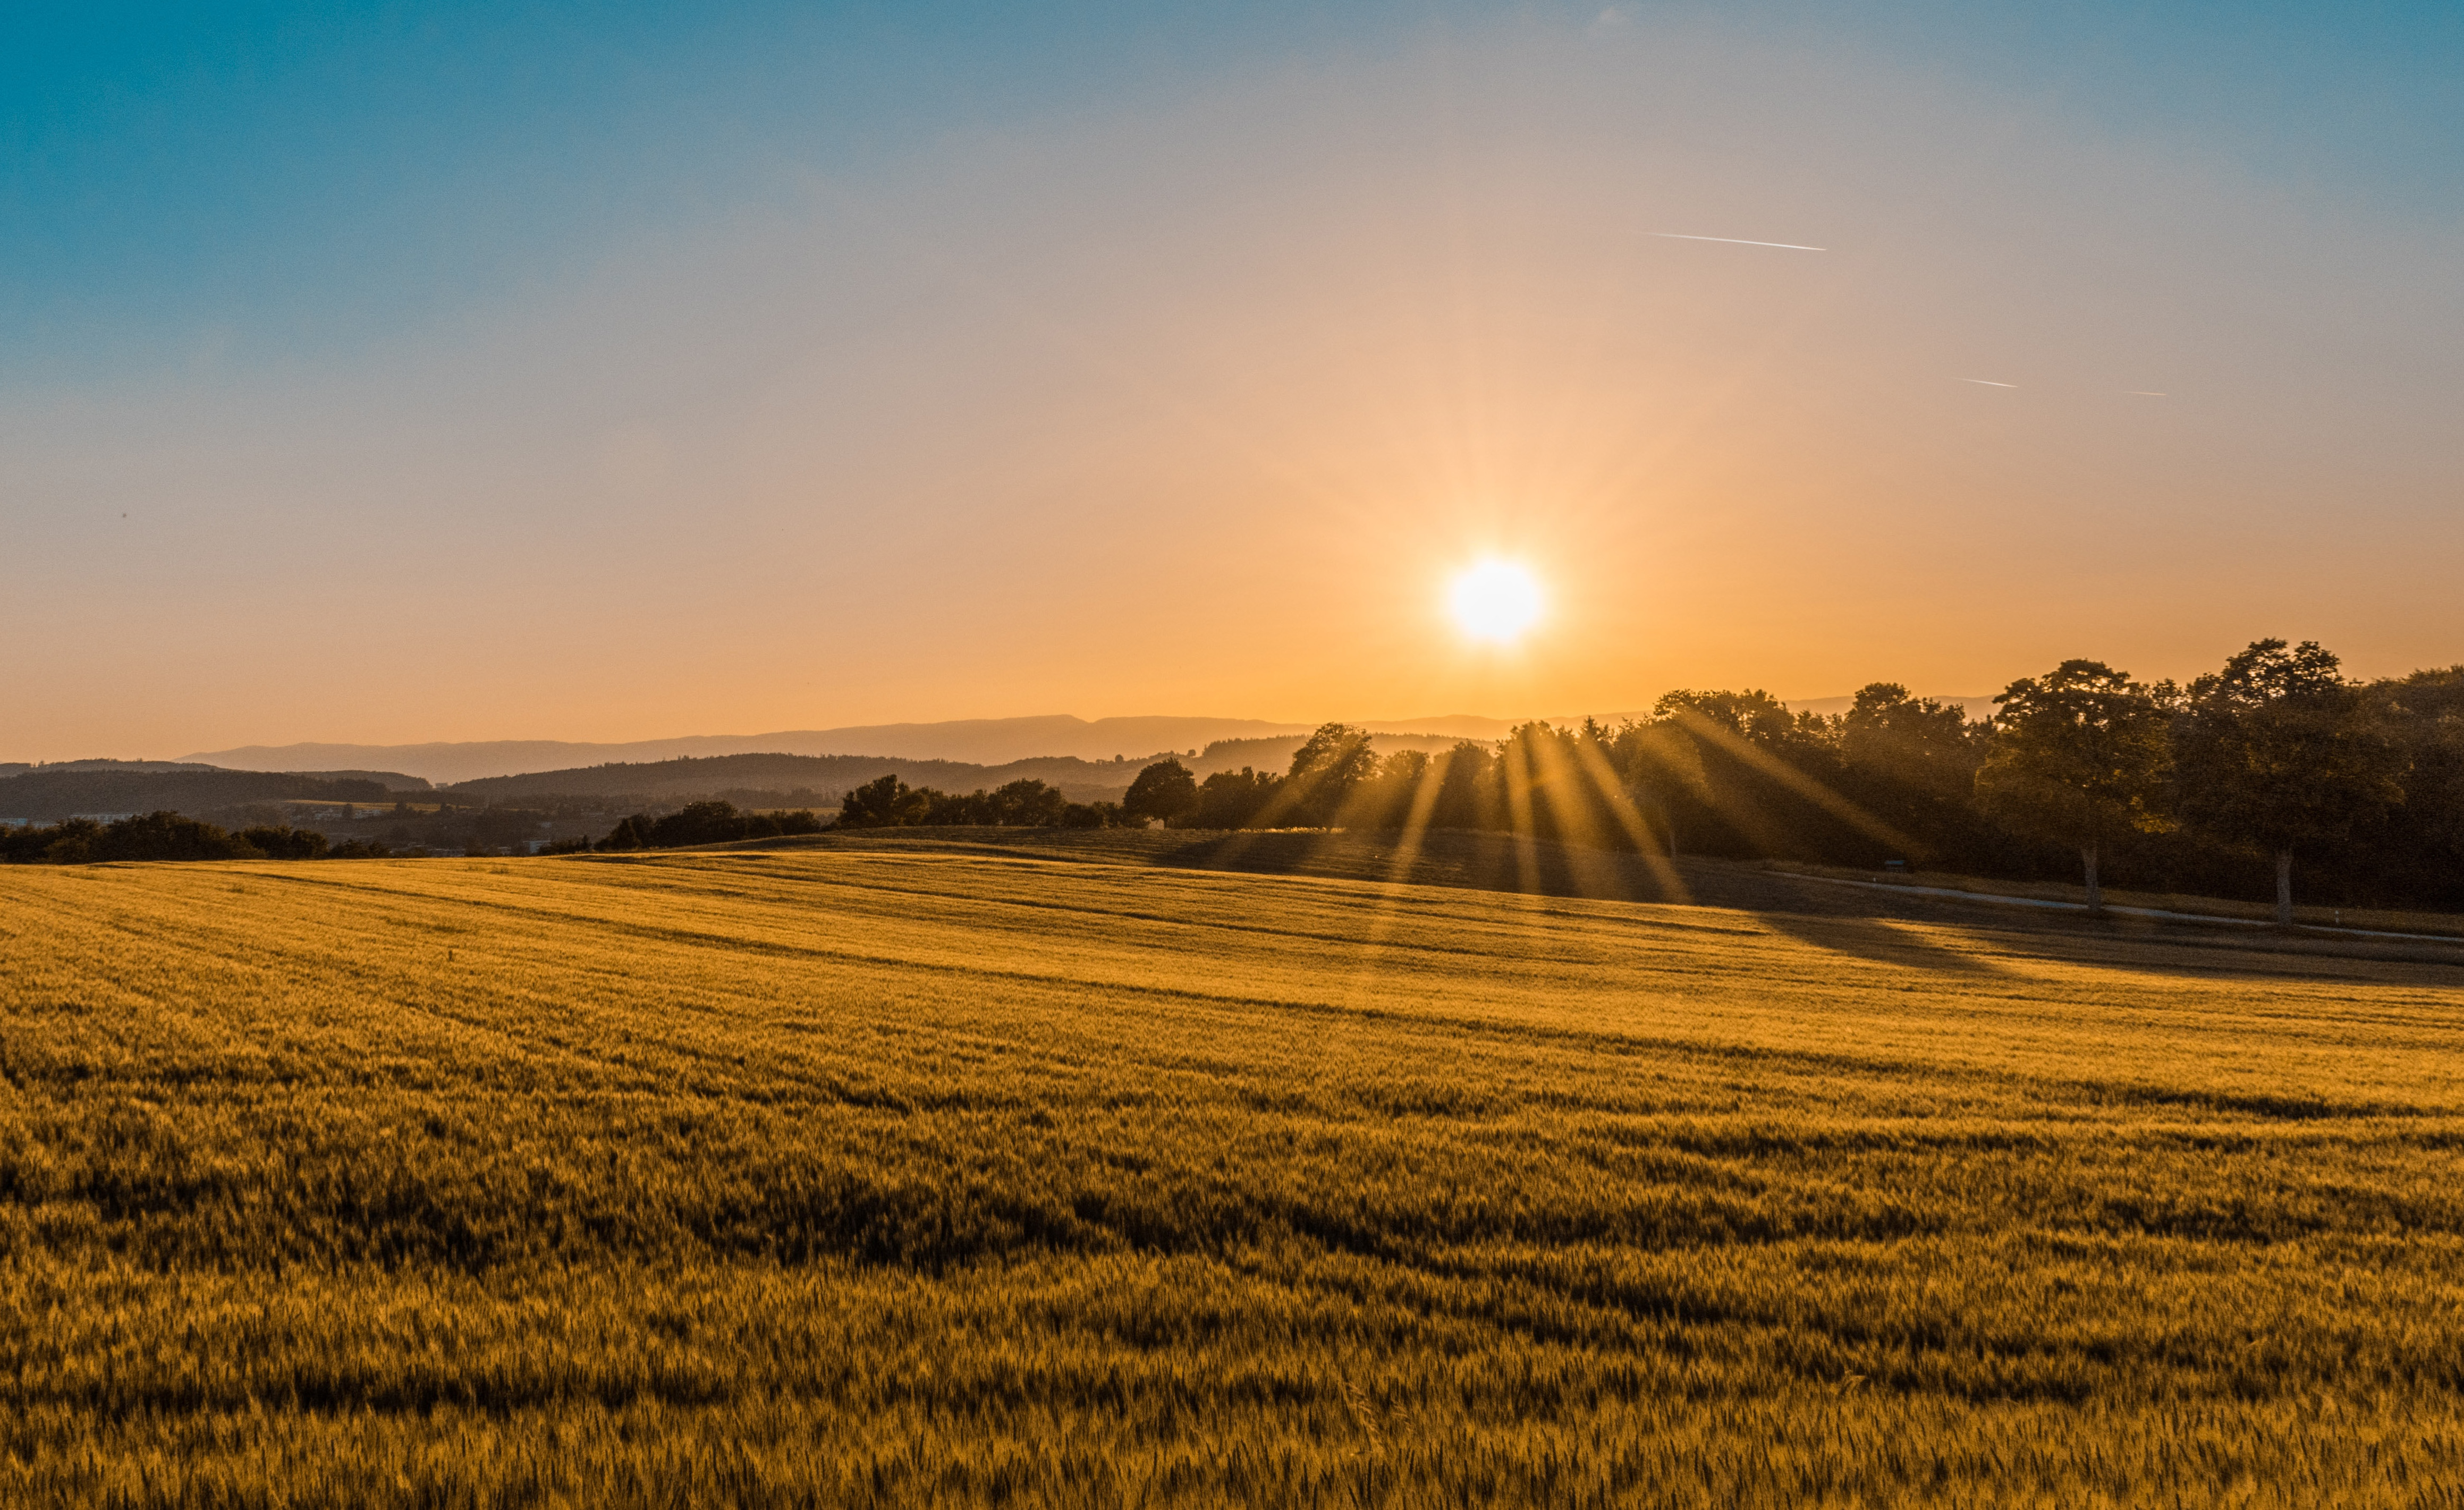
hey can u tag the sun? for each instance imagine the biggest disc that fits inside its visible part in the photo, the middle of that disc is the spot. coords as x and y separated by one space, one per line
1495 601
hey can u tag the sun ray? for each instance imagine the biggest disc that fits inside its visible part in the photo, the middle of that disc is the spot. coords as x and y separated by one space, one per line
1629 818
1407 851
1797 781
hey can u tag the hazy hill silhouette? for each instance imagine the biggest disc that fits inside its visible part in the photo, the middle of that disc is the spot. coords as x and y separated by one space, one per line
47 794
815 778
984 741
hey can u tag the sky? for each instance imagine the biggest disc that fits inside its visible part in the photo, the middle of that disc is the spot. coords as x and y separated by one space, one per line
404 373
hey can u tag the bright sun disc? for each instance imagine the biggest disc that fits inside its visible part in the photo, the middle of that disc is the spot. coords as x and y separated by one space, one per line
1495 601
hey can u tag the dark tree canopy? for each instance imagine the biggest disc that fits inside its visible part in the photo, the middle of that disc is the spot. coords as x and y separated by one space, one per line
712 822
1027 803
2278 752
165 835
1163 791
1234 798
2075 754
1927 743
888 802
1326 771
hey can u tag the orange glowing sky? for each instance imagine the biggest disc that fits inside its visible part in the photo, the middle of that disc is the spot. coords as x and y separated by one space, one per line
1196 401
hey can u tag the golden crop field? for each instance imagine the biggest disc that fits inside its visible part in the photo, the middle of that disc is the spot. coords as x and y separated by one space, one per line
935 1174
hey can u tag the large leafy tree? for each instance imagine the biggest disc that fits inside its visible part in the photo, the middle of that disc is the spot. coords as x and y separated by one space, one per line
2279 751
2425 713
1163 791
1661 765
1920 741
1235 798
1754 715
888 802
1326 769
2076 756
1469 792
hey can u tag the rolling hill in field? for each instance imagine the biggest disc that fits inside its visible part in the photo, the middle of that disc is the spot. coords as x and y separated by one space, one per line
918 1171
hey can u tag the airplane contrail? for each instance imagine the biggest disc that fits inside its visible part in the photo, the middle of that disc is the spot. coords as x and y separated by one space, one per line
1989 382
2145 393
1784 245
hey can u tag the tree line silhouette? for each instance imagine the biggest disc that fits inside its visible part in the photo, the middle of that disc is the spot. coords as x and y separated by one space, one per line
2273 759
890 802
169 836
886 802
709 822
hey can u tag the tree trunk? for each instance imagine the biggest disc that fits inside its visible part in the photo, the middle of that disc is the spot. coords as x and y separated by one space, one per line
2284 888
2095 893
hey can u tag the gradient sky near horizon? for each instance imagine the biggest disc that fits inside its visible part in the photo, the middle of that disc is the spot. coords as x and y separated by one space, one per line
401 373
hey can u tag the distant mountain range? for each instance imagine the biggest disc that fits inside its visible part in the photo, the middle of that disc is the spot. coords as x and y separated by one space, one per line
975 741
9 768
769 779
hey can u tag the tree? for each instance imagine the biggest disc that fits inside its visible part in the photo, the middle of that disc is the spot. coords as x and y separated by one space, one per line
2280 752
1403 789
2076 756
1094 815
1025 803
1918 742
706 822
1662 766
1469 788
284 843
625 835
1161 793
1911 762
886 802
1326 769
1753 714
2425 715
1234 798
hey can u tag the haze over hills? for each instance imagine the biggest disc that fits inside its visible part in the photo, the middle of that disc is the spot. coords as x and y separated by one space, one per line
772 780
9 768
977 741
973 741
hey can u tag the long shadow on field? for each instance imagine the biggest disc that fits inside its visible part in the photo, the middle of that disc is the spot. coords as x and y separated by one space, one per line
1471 861
1848 920
1877 939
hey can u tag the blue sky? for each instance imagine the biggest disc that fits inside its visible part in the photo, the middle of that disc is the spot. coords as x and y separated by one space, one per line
318 172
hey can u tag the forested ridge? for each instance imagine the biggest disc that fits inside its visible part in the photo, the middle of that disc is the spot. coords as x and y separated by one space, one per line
44 795
697 777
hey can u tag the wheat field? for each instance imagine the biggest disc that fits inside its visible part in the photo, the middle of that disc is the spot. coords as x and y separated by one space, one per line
935 1174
